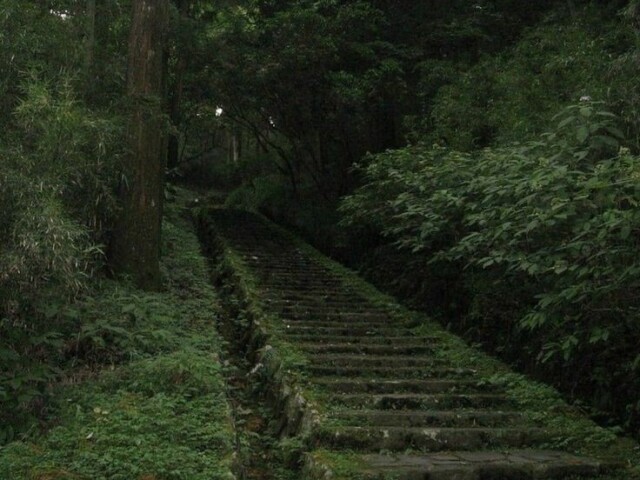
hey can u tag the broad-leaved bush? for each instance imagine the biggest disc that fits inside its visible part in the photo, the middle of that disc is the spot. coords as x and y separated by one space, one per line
552 226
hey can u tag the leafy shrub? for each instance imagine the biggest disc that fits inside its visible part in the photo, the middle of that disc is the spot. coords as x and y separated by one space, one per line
545 232
149 398
512 96
72 148
32 38
56 183
266 192
44 261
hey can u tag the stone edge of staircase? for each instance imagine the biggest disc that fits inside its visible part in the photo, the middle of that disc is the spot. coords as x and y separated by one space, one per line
297 414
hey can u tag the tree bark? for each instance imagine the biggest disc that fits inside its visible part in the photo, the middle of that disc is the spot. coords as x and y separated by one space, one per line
136 244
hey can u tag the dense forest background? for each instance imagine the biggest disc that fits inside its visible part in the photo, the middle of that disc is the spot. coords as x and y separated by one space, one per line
477 159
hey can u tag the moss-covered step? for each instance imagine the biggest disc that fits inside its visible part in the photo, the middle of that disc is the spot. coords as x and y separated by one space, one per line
322 328
364 361
320 370
322 338
421 401
296 314
429 418
374 391
410 385
527 464
365 349
428 439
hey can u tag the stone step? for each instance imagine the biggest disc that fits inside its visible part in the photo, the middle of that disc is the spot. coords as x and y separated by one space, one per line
302 281
283 256
251 241
329 319
347 317
332 305
301 276
279 248
294 327
276 282
262 241
366 330
324 370
482 465
362 339
368 349
434 418
326 310
376 360
422 401
284 266
336 293
367 385
314 298
426 439
346 330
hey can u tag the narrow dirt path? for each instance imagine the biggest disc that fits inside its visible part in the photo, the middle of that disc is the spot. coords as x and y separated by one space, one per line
392 401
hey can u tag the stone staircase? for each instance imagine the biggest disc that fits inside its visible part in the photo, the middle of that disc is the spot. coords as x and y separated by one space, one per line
390 400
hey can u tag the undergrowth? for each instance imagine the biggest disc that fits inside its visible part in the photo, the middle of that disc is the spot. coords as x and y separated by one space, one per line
143 395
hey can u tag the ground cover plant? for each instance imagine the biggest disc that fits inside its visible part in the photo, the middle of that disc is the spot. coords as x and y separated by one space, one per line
146 398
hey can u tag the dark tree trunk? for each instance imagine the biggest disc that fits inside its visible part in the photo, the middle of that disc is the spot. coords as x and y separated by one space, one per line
135 249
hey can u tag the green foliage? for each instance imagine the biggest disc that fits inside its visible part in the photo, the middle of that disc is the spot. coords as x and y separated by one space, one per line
298 76
122 433
552 222
44 260
32 37
57 175
512 96
146 398
262 193
58 181
69 146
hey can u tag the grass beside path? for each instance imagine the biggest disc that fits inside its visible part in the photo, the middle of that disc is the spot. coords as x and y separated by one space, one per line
148 402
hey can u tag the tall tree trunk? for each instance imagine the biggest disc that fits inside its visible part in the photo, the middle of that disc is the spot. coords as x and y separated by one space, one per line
136 244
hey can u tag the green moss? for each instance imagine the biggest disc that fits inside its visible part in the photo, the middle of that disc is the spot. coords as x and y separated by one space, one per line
124 435
343 465
158 409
